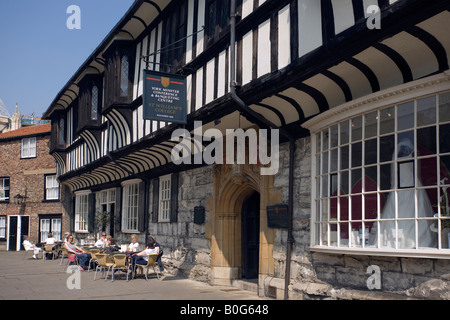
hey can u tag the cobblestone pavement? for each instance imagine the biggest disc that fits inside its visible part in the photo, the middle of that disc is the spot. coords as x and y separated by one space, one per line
29 279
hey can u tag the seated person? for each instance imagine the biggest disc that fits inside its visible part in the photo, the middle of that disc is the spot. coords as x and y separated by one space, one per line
158 260
141 258
134 245
50 241
111 245
80 253
66 235
101 243
29 246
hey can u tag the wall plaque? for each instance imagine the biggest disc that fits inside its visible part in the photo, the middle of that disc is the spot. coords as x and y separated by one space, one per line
199 215
277 216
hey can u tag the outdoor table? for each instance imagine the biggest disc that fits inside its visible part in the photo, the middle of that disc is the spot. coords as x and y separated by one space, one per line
40 244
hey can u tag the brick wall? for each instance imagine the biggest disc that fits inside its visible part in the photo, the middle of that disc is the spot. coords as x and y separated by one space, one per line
27 177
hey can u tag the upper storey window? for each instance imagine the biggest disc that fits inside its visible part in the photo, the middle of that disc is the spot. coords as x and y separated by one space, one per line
124 72
174 30
29 147
4 189
94 103
218 17
119 72
58 140
90 100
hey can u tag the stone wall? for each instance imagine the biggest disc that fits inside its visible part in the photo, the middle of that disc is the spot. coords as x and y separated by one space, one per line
185 245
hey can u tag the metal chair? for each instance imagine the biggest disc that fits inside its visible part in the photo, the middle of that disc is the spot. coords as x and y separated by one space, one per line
58 249
64 253
150 263
102 264
120 263
93 253
48 249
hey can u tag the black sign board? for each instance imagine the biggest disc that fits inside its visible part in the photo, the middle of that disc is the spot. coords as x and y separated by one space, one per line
164 97
277 216
199 215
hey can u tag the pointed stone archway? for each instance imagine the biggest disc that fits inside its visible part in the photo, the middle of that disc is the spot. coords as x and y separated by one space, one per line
233 184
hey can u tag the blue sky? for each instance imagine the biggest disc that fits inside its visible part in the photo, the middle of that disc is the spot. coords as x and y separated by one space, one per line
39 54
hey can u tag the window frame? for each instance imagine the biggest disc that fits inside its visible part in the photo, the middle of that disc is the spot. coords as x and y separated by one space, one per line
54 223
359 107
173 42
95 99
164 198
5 189
82 212
124 72
3 228
47 188
130 205
222 12
27 149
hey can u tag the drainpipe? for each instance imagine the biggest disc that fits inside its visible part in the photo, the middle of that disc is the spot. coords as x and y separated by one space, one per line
247 110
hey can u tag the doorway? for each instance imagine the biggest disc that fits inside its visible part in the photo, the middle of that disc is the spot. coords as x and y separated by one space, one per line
108 204
18 230
110 223
250 237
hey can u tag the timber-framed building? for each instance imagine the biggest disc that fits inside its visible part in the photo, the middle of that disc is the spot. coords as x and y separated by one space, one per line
360 92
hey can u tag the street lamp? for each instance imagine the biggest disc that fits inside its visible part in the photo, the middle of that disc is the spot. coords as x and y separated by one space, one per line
19 199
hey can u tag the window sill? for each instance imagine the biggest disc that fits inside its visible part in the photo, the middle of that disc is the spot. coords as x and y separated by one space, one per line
386 252
130 231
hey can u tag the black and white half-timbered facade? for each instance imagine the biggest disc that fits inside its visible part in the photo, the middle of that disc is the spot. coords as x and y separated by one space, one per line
357 94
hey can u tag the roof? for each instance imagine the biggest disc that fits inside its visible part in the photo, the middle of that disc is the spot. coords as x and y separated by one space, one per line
27 131
3 111
138 18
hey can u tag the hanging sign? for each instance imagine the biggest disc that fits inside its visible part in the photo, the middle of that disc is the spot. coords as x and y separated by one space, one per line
164 97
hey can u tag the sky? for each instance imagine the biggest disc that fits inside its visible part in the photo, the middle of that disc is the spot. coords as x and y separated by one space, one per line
39 53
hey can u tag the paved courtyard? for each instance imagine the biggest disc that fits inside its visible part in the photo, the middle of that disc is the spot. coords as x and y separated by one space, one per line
29 279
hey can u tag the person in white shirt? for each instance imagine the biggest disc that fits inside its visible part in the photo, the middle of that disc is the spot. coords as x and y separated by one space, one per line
142 257
29 246
101 243
50 239
134 245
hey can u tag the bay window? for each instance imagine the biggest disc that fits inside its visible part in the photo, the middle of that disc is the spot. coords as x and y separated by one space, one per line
381 179
118 75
